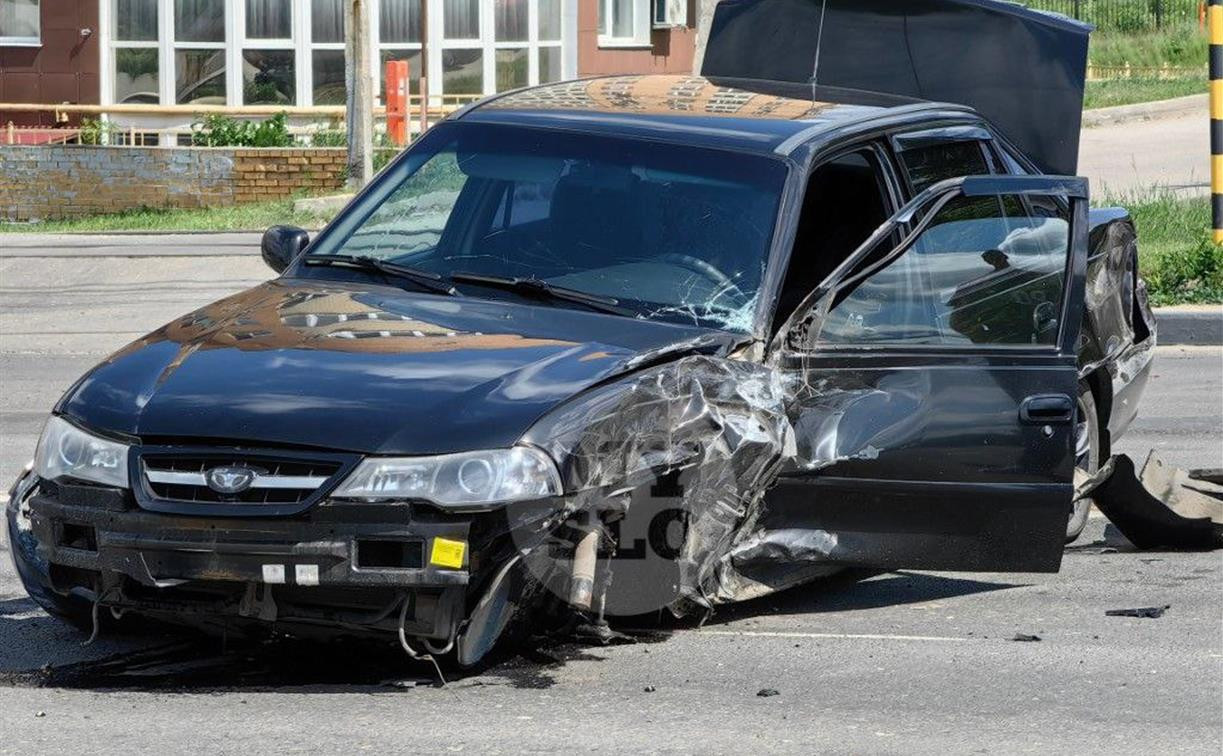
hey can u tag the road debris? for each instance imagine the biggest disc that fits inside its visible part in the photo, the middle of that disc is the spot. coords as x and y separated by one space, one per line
1146 612
1025 638
767 693
1164 507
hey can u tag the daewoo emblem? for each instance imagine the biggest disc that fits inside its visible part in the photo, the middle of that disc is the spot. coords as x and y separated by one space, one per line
230 480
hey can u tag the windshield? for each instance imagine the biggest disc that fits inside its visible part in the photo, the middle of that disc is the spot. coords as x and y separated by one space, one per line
668 232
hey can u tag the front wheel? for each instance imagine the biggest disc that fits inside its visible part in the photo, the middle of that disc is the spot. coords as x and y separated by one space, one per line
1086 456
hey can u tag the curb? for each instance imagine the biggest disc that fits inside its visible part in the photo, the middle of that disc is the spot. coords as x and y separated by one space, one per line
331 204
1200 325
1146 111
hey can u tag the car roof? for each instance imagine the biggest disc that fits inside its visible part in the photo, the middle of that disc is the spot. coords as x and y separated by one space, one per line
746 115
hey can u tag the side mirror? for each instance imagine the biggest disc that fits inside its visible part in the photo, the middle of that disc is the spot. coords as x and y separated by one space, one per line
281 244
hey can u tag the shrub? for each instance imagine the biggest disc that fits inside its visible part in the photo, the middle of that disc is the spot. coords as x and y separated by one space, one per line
1191 275
217 130
94 131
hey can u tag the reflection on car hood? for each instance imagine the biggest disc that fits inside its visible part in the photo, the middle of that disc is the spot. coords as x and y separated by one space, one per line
362 368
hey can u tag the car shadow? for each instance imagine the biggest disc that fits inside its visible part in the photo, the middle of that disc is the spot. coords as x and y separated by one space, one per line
858 590
41 651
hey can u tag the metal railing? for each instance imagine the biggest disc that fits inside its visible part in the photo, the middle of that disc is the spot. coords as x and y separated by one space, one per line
1127 15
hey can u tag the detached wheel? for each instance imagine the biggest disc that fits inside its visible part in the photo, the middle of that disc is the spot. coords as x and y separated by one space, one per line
1086 456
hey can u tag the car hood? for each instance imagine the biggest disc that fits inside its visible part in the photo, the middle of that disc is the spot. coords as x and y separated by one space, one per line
369 369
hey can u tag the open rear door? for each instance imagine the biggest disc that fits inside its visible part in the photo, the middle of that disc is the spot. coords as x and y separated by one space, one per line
1021 69
935 424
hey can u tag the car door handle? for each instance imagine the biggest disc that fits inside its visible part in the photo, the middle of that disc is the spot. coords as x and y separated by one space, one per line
1047 409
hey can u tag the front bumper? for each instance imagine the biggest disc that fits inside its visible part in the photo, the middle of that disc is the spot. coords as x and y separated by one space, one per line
344 565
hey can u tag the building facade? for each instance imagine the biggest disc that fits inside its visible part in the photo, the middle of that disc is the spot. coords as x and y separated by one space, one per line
291 52
48 54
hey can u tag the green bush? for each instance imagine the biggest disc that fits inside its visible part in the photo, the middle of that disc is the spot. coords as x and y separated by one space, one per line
218 130
94 131
329 138
1191 275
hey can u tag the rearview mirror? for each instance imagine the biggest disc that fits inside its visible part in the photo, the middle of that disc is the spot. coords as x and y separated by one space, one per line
281 244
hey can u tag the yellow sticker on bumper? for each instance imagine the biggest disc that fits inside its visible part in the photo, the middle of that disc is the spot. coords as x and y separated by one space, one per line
447 553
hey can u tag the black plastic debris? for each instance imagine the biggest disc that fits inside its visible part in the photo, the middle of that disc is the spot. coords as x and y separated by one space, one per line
1163 508
767 693
649 689
1025 638
1147 612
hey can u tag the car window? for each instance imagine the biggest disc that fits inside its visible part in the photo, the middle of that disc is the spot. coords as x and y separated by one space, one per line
413 217
986 270
671 232
931 163
846 200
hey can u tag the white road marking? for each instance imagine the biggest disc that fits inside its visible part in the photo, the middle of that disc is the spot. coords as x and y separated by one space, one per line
835 636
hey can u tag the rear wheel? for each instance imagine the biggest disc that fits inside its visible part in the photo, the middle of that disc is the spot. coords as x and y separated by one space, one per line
1086 456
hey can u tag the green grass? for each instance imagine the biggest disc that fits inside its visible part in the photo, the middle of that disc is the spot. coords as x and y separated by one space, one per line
1181 46
249 217
1103 94
1175 255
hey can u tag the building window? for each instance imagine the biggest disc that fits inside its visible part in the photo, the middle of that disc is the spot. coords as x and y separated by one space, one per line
291 52
269 19
199 52
327 82
463 71
624 23
19 23
268 77
461 19
137 64
399 39
269 65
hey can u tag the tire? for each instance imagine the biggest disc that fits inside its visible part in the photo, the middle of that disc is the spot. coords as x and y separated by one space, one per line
1086 456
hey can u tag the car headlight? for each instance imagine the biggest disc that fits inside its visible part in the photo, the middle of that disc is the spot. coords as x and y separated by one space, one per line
456 480
66 451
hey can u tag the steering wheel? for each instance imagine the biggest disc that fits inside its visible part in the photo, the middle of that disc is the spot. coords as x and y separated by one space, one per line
725 284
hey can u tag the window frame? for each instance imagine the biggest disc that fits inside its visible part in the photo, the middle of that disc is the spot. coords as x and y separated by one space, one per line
643 25
912 220
34 41
245 43
562 49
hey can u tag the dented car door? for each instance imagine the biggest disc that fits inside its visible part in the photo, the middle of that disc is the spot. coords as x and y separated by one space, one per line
934 419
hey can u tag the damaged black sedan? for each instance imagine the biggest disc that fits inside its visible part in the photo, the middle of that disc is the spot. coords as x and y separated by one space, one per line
598 348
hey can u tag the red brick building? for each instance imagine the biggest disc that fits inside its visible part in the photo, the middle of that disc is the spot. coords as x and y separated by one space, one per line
291 52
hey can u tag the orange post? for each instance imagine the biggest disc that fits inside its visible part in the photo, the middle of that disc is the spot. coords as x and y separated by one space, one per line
397 101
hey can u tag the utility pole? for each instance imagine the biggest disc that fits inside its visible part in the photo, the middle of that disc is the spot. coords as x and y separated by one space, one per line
1215 19
359 115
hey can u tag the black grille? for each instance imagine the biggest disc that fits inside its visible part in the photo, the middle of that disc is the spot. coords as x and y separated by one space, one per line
177 481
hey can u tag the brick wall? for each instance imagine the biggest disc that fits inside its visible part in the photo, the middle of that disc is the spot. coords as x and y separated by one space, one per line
64 181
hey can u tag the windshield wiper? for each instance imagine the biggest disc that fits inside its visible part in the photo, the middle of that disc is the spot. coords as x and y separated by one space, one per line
534 287
422 278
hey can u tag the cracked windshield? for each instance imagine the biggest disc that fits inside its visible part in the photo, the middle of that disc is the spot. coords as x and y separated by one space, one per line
655 231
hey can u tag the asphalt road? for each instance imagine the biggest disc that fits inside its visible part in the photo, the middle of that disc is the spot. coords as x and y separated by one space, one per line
910 662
